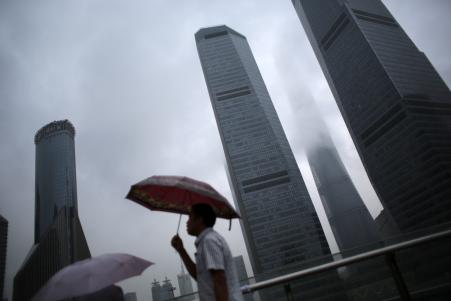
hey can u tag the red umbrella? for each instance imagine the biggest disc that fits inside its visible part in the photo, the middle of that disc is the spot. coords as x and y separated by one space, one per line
177 194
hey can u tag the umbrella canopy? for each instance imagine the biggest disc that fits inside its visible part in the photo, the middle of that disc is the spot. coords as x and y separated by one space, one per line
177 194
91 275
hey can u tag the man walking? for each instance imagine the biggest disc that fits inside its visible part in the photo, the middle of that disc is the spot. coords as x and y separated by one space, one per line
214 270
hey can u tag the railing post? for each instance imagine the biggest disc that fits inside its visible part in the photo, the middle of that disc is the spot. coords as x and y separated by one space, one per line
397 276
288 293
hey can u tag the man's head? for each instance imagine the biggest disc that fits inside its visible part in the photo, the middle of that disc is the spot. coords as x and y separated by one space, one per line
201 216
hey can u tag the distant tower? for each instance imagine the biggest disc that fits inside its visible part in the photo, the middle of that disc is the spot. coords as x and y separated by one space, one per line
185 286
130 297
349 218
167 290
395 105
162 292
59 237
268 187
156 291
3 251
238 261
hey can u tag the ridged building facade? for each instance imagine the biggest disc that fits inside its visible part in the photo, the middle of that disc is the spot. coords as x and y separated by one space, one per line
395 105
279 222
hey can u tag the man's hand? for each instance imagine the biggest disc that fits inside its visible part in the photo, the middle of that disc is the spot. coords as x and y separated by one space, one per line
177 243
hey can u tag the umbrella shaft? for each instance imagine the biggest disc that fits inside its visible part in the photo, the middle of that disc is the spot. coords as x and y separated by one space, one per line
178 226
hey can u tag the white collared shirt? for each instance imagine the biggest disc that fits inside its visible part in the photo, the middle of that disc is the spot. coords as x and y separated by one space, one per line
213 253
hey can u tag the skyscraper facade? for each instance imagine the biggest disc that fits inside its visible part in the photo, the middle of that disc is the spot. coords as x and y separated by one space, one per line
55 180
243 277
162 292
279 222
3 251
59 237
185 286
395 104
349 218
156 288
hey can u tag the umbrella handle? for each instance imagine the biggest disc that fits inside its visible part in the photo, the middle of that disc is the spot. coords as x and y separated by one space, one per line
178 226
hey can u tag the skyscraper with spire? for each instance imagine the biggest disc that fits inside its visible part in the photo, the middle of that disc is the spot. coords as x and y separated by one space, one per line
395 105
162 292
281 228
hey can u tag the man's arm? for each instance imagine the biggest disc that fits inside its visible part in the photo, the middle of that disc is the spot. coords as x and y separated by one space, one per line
220 285
177 243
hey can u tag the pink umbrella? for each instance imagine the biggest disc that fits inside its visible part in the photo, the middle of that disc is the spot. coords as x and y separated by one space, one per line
91 275
177 194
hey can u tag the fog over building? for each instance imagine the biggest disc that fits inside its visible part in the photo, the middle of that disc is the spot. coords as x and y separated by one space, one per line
395 105
349 218
59 237
280 226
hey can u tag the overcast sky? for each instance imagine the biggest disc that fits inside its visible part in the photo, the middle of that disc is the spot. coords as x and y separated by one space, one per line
127 75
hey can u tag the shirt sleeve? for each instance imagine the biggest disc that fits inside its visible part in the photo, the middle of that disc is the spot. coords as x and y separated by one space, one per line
213 254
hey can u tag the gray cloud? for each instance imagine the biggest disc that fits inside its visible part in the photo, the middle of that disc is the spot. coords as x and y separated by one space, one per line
128 77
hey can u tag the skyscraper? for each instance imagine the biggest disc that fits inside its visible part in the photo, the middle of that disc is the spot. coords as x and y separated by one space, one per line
59 237
3 251
156 288
280 225
395 104
167 290
350 220
55 180
130 297
243 277
162 292
238 261
185 286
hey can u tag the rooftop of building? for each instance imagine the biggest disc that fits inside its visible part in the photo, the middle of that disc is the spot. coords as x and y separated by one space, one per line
53 127
215 31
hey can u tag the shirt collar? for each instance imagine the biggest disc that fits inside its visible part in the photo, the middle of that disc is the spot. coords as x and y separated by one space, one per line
202 235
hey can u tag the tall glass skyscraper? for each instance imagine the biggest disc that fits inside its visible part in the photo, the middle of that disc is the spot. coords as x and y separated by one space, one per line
55 179
395 104
348 216
59 237
280 225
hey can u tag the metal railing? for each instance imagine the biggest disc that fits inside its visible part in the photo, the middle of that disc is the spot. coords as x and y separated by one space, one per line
388 252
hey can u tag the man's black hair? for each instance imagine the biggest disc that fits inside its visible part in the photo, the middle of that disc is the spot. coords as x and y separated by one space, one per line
205 212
